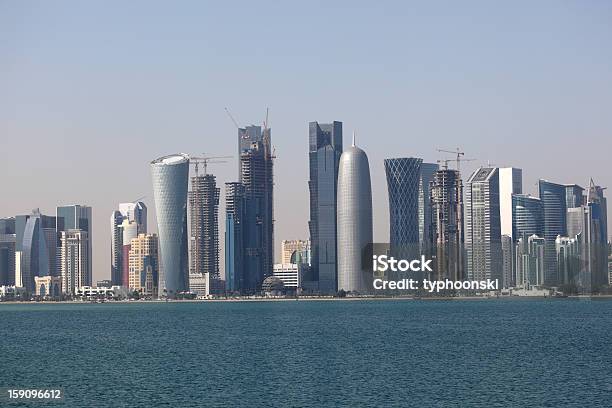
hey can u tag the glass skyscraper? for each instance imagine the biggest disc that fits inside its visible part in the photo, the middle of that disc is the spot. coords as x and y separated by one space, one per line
170 176
403 181
77 217
527 216
234 237
553 197
325 149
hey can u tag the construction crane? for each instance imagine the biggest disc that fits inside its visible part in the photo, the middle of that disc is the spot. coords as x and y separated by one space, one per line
232 118
459 158
138 199
205 160
445 161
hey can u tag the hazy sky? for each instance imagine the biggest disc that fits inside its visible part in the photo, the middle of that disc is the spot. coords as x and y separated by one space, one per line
90 92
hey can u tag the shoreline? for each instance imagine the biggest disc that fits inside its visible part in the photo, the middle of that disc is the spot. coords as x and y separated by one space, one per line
310 299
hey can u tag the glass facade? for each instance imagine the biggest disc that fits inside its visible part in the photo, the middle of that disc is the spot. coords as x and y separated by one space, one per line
403 182
170 176
527 216
325 149
77 217
553 197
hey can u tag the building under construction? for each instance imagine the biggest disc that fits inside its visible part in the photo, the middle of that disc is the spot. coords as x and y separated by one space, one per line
204 216
447 236
250 214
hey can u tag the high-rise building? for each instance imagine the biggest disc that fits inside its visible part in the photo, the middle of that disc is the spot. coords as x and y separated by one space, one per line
325 149
257 223
295 251
204 216
527 216
508 260
598 205
483 229
403 182
553 197
129 231
144 264
510 183
447 229
354 220
234 236
37 248
72 217
568 259
574 196
170 176
428 172
530 261
74 262
135 213
7 251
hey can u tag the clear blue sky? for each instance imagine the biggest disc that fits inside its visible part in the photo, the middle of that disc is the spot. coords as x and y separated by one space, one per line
91 91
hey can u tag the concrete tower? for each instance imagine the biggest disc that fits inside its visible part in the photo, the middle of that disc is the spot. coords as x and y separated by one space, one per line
354 220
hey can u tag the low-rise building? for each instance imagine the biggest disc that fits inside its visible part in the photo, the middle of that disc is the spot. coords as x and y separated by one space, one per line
288 274
48 286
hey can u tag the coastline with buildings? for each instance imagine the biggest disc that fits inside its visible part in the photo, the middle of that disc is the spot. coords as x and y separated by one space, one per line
483 228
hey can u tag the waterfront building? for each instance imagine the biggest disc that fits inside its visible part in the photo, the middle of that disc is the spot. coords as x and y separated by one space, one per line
403 182
325 149
135 213
289 274
426 178
37 254
510 183
129 231
200 284
553 197
73 217
447 228
354 220
7 251
204 225
508 260
234 236
256 175
568 253
48 286
530 257
170 176
143 260
527 216
483 230
74 262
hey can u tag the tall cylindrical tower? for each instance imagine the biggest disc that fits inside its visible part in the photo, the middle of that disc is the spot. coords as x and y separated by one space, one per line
354 220
170 180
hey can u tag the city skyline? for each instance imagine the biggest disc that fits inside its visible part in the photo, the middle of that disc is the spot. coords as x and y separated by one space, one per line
505 100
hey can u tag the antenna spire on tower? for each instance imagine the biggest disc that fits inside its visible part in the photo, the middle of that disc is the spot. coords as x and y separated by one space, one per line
353 138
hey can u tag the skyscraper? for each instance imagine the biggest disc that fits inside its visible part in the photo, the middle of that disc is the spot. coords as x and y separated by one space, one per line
428 172
7 251
204 216
510 182
527 216
74 262
483 229
553 197
136 213
170 176
256 166
508 265
295 251
447 229
72 217
37 248
574 196
234 236
403 182
530 261
325 149
354 220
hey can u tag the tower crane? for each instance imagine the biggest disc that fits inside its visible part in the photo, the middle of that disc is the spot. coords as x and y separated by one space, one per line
459 158
205 160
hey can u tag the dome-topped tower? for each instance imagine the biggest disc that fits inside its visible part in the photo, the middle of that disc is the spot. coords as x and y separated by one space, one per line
354 220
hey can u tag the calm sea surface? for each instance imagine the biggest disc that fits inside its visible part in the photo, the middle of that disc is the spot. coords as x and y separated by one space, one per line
490 353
